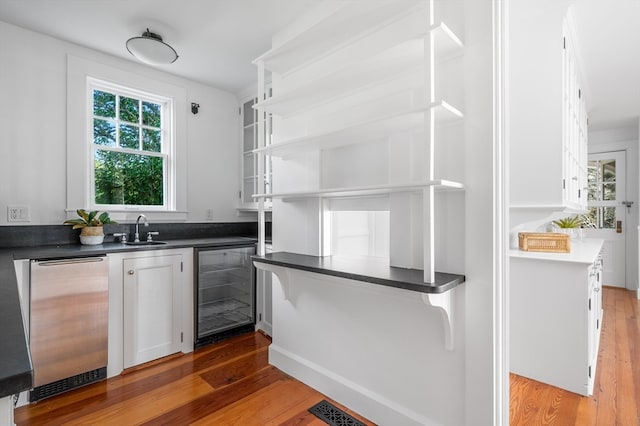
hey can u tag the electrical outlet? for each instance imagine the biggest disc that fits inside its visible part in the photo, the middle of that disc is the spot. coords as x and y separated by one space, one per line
18 214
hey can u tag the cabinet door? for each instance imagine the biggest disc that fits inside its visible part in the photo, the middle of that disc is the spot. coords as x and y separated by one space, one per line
152 308
575 132
249 174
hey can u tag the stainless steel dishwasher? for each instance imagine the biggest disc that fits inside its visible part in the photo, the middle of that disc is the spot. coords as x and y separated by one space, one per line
68 323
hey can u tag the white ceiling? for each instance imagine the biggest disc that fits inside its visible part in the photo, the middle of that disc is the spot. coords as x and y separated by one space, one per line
216 39
609 38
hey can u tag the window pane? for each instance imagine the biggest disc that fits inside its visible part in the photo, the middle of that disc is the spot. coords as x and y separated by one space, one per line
248 139
609 191
248 169
104 104
248 190
591 218
593 192
128 179
129 110
609 170
248 113
592 171
129 136
151 140
151 114
608 217
104 132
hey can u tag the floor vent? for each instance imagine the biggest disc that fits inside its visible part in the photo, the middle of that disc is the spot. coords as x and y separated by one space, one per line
67 384
332 415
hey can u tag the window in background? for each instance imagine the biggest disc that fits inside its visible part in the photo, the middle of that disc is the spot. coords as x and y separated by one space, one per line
601 177
360 233
131 145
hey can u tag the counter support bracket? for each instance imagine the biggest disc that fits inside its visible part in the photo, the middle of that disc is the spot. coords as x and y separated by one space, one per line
443 302
283 276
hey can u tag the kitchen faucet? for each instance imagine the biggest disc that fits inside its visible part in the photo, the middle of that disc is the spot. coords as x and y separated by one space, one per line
136 236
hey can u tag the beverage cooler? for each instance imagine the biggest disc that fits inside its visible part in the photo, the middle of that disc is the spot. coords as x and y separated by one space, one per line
225 292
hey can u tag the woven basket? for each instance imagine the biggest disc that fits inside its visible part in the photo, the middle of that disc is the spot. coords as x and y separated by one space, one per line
544 241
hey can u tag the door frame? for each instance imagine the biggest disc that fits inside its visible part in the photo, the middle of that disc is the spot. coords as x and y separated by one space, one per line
625 139
612 240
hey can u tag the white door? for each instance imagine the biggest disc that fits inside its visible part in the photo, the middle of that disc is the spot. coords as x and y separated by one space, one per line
152 308
607 192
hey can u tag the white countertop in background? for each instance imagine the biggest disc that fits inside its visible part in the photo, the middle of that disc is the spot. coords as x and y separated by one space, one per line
582 251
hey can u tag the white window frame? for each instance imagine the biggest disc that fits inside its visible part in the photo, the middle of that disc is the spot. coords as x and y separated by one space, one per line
167 152
80 71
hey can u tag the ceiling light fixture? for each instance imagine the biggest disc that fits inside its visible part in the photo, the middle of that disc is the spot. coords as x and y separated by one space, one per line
150 49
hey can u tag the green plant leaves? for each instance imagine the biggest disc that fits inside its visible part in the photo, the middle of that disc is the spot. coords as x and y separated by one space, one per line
89 219
569 222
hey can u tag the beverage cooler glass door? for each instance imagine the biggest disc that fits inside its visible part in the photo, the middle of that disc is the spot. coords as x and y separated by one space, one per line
226 290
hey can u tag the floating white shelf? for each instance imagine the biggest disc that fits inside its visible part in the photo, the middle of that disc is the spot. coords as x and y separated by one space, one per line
400 63
412 119
344 26
359 191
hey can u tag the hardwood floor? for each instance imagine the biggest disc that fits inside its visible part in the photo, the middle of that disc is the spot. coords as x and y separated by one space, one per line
229 383
616 395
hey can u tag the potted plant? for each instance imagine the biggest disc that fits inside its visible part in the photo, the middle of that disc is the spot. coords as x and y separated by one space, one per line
90 224
569 225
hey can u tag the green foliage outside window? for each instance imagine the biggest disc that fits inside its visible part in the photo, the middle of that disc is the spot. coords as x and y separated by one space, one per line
125 123
128 179
601 177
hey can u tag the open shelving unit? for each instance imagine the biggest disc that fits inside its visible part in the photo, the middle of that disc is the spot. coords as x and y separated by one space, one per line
344 31
398 65
375 128
382 59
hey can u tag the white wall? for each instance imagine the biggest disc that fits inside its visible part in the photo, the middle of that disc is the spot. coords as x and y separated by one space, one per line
33 139
625 139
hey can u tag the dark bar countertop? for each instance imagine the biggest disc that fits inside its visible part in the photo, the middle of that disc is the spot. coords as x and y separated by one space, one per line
364 269
15 362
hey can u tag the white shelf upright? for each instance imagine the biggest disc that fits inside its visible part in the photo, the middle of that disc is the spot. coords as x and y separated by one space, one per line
262 122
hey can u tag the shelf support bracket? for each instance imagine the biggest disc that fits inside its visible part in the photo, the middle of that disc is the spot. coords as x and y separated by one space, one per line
283 276
443 302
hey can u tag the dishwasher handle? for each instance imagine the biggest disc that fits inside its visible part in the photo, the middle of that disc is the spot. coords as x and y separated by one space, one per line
69 261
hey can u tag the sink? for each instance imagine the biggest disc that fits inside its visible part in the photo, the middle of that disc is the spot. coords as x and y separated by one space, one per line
145 243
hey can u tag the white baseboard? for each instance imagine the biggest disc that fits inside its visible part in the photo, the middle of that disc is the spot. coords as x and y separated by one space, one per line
371 405
265 327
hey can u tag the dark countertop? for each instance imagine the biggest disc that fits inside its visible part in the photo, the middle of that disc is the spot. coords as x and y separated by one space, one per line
364 269
78 250
15 362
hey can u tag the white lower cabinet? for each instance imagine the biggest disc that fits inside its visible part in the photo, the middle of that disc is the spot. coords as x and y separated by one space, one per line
556 316
152 308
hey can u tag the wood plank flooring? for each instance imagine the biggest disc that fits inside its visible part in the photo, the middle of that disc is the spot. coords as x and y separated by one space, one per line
229 383
616 395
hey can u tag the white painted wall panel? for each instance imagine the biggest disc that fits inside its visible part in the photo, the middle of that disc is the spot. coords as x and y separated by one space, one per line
33 140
